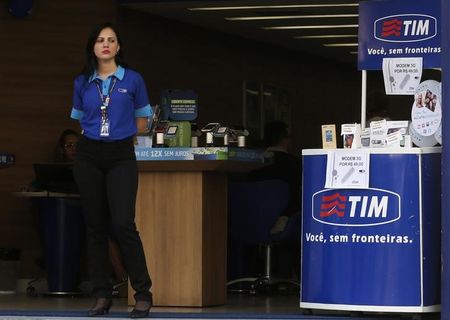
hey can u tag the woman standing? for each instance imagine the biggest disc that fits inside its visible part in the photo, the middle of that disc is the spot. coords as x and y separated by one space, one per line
110 101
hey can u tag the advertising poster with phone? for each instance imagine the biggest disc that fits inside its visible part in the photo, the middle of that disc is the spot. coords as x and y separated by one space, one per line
426 112
348 169
402 75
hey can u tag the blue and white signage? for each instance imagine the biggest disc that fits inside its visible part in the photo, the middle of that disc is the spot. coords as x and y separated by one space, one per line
353 207
179 105
400 28
405 28
348 168
202 153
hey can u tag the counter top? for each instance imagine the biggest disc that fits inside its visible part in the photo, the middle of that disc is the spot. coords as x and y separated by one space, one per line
307 152
43 194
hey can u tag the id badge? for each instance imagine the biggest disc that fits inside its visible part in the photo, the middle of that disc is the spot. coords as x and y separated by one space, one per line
104 130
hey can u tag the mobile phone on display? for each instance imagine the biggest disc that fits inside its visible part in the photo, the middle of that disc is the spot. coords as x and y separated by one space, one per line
221 131
210 127
171 131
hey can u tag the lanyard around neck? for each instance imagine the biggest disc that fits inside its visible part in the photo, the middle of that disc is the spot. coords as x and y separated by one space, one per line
106 99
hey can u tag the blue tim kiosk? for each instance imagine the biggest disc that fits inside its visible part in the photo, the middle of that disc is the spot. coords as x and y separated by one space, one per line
377 248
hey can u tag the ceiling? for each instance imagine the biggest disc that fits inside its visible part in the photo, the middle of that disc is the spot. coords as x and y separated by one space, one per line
327 28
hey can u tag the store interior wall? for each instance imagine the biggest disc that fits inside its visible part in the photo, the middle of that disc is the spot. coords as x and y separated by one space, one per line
39 56
42 53
174 55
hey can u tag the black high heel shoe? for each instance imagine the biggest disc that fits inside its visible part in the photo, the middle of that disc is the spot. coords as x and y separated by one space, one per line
141 309
102 306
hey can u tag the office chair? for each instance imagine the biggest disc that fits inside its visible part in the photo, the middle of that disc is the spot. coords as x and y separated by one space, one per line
253 209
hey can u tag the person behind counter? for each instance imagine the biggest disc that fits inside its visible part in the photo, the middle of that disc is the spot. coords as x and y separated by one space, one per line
286 167
283 166
111 103
65 152
67 146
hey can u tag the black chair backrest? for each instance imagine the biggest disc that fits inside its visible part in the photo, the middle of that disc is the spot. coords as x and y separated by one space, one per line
254 207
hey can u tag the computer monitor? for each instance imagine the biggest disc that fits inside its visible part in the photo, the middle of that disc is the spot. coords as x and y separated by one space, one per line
55 177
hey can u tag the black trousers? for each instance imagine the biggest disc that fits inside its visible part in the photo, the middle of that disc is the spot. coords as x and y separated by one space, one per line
107 177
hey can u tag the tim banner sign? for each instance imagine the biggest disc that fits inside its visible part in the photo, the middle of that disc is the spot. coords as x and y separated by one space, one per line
397 29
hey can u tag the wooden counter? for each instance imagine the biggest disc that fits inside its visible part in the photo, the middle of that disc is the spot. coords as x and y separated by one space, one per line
181 214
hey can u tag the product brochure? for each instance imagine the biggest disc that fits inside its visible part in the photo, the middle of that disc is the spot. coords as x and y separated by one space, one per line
402 75
348 169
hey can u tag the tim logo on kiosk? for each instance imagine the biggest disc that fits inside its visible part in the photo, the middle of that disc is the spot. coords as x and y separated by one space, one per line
356 207
405 28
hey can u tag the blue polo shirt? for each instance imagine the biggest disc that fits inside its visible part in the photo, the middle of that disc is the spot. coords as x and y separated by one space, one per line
128 100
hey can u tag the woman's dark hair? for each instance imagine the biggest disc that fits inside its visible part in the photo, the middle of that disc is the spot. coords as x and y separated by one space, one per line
90 59
64 134
274 132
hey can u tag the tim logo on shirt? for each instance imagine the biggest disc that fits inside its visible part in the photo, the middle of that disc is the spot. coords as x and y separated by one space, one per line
405 28
356 207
